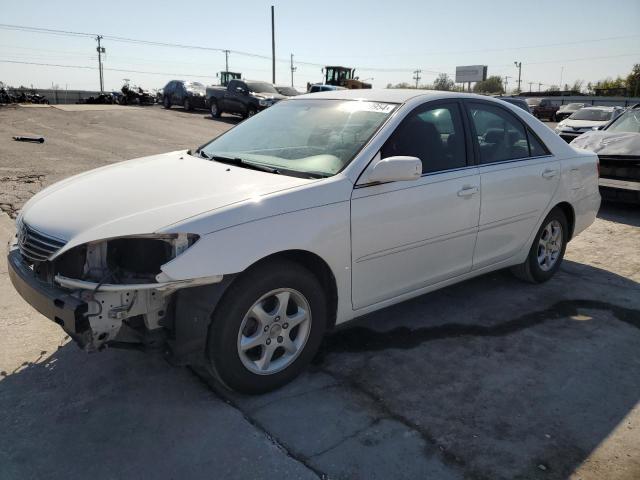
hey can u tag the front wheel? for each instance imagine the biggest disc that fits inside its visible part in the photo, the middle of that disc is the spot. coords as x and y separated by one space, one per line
251 111
215 111
547 251
167 103
187 105
267 327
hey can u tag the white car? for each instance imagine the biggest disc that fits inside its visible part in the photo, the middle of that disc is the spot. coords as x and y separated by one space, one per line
585 120
241 254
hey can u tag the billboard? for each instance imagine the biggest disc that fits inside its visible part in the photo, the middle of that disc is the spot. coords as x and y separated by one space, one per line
471 73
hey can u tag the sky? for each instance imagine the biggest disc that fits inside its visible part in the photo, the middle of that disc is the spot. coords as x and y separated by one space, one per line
384 41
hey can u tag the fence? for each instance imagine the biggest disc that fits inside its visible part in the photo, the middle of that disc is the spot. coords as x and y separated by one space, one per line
59 96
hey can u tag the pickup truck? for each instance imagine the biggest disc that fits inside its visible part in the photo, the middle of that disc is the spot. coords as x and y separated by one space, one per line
241 97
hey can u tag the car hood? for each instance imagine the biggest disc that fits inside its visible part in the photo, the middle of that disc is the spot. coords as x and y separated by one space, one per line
144 195
582 123
266 95
605 143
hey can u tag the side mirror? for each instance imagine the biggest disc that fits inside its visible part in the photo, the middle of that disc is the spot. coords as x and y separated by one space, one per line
392 169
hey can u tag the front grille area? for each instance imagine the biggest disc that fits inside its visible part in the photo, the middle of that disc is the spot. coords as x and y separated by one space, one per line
36 246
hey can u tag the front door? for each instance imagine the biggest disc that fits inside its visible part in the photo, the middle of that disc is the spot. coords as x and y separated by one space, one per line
408 235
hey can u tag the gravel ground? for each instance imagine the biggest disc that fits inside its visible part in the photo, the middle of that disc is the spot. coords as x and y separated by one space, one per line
488 379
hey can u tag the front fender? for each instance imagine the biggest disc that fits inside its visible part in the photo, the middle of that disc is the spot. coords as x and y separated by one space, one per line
323 231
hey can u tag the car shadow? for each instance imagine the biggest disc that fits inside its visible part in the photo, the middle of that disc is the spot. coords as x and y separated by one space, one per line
497 378
620 213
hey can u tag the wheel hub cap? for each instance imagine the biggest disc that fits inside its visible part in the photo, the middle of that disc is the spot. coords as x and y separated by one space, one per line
274 331
550 245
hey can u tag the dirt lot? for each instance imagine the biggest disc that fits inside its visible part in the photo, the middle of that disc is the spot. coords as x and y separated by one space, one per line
488 379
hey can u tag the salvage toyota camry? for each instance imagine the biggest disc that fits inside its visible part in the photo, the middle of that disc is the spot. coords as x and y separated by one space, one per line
239 255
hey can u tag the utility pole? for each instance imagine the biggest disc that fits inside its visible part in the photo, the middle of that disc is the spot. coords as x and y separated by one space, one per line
530 83
417 76
226 60
539 86
273 46
506 82
293 69
519 65
561 72
100 50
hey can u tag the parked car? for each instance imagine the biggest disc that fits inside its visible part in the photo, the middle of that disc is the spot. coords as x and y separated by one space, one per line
567 110
585 120
618 147
324 88
287 91
517 101
318 210
242 97
543 108
190 95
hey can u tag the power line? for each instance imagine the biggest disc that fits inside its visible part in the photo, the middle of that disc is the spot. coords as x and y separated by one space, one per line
86 67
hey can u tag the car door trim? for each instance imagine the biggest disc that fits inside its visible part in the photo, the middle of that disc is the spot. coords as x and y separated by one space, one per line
417 244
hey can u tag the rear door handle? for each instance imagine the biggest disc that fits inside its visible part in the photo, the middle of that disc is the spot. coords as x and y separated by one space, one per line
467 191
549 173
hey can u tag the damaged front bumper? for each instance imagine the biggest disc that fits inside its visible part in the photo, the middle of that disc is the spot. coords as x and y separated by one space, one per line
96 314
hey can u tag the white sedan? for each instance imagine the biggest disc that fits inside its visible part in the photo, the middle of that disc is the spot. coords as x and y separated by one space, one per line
239 256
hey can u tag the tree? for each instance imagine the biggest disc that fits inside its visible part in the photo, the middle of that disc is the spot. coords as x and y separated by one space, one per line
633 81
443 82
492 84
577 86
553 88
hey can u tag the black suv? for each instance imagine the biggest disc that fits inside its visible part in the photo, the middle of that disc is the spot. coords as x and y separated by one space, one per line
190 95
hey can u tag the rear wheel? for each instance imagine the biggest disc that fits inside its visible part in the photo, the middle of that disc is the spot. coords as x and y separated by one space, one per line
547 251
187 105
267 327
166 103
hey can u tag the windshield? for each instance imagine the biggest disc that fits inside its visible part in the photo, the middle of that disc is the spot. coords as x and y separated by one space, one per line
194 86
288 91
261 87
317 137
627 122
533 101
593 115
573 106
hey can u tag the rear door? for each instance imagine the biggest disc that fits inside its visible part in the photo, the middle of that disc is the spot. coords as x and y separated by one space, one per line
408 235
518 177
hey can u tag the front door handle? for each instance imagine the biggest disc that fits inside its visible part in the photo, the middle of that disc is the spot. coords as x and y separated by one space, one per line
467 191
549 173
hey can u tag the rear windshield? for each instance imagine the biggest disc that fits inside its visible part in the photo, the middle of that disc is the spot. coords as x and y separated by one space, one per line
627 122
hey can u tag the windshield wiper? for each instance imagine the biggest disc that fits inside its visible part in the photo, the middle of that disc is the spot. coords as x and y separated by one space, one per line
240 163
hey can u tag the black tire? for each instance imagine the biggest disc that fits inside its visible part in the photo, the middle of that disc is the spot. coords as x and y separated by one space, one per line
187 104
225 362
215 111
251 111
166 103
531 271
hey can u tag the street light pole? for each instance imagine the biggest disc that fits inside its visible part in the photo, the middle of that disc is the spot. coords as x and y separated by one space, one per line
273 46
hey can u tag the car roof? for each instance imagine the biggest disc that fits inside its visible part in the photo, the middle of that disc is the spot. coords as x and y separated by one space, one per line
388 95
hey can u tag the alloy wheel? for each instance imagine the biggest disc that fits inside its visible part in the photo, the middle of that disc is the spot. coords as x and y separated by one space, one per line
550 245
274 331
